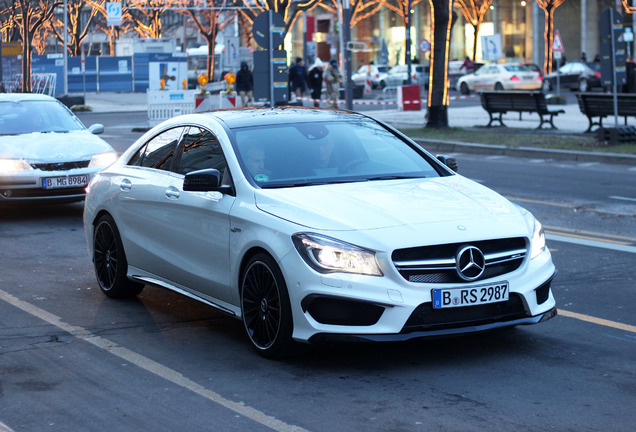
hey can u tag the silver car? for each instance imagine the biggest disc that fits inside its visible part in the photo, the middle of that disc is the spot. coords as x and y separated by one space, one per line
46 153
398 76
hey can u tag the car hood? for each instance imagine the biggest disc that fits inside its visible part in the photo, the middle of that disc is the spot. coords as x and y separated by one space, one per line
52 147
385 204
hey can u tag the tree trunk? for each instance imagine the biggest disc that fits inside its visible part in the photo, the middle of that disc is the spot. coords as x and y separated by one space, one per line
438 93
476 30
549 12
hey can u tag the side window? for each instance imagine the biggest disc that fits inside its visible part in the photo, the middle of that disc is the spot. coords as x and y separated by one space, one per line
159 152
200 150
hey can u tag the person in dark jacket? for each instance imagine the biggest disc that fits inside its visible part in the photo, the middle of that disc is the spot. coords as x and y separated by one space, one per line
245 84
298 78
315 81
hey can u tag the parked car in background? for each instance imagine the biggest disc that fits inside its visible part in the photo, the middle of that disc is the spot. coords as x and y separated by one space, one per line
398 75
575 75
46 153
372 71
500 76
312 225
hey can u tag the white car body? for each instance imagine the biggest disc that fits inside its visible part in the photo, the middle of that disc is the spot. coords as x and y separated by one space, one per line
397 76
372 72
197 243
500 76
51 162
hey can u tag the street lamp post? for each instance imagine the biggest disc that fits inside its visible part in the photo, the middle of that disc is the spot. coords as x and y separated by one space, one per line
65 69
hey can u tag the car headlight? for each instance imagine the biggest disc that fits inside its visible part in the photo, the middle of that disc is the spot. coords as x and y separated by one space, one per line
103 159
328 255
9 166
538 240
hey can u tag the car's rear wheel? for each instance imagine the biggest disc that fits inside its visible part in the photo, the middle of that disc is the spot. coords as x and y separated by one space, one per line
463 88
584 85
265 307
499 86
109 260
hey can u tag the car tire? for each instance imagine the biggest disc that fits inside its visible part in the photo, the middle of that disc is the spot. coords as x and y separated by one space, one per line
463 88
499 86
382 84
546 86
584 85
109 260
265 307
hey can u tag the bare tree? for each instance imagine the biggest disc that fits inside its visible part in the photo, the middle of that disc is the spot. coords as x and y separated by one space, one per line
112 32
77 11
146 16
28 16
288 9
210 20
549 6
474 12
437 113
361 9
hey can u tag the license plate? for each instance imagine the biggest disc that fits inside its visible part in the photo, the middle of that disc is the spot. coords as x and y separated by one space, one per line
470 296
65 182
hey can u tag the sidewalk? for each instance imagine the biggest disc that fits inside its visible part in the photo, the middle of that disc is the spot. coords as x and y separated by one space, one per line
572 122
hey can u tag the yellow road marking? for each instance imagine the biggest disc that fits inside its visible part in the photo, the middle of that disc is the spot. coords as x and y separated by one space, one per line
599 321
587 237
570 206
150 365
590 233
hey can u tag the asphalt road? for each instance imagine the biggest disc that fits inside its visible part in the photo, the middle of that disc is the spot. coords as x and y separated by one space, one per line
73 360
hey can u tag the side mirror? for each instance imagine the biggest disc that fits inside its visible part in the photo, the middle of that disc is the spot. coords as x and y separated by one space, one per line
96 129
450 162
205 180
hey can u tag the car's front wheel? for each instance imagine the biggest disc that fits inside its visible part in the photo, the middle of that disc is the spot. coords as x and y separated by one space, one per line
265 306
109 260
463 88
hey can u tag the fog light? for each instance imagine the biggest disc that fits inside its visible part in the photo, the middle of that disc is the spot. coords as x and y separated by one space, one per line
6 193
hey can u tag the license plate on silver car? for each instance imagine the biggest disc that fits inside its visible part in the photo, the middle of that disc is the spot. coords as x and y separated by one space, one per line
470 296
65 181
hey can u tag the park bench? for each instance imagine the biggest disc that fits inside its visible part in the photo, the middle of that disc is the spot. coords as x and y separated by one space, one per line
601 105
502 102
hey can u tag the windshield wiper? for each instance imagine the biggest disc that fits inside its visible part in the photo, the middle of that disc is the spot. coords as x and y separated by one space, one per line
394 177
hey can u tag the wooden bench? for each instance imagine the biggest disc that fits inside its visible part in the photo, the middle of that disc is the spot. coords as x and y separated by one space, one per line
502 102
601 105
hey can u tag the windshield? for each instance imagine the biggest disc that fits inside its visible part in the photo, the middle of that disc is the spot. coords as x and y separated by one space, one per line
303 154
36 116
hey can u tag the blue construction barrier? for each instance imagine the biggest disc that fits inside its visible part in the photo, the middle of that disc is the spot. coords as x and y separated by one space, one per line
101 74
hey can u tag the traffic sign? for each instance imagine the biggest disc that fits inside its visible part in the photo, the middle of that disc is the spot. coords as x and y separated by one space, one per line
425 46
113 14
557 44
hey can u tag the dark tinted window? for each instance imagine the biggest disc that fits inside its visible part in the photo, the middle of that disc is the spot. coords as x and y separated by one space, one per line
200 150
159 152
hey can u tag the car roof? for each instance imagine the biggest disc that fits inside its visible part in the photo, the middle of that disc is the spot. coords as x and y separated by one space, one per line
255 116
18 97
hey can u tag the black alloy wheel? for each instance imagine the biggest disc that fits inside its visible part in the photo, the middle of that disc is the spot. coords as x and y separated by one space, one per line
499 86
463 88
110 262
266 309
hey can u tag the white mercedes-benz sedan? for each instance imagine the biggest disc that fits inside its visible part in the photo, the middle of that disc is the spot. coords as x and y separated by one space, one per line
46 153
313 225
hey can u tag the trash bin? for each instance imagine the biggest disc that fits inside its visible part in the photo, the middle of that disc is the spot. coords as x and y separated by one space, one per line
409 98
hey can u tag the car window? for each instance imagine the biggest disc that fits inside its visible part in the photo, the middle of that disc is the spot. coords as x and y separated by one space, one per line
329 152
36 116
158 153
199 149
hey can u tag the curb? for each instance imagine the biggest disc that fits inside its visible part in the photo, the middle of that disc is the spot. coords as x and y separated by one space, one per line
525 152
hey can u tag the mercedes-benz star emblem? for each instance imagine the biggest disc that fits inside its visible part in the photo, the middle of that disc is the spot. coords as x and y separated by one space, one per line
470 263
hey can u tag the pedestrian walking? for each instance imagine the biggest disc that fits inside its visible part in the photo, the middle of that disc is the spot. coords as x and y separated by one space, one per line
332 80
298 78
315 81
245 84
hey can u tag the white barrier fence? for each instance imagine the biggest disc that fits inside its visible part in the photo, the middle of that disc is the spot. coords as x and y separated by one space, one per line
165 104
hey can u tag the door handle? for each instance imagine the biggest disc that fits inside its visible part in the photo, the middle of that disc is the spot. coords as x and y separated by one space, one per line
125 185
172 192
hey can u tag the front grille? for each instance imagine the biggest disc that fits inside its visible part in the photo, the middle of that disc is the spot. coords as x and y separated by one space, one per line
425 318
40 192
436 264
60 166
